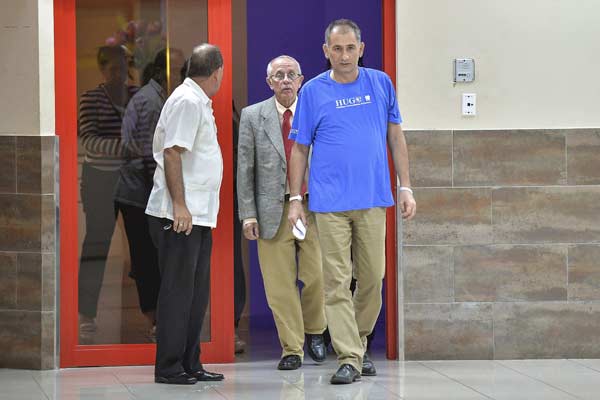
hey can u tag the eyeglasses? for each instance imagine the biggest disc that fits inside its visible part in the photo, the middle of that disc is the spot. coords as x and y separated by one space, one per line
292 76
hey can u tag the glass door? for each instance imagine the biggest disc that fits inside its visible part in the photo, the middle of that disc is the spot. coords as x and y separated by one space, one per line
108 53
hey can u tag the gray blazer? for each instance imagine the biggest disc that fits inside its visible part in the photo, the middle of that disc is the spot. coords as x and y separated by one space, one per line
261 167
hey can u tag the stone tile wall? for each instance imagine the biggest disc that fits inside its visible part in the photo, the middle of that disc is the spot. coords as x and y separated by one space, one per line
27 252
503 259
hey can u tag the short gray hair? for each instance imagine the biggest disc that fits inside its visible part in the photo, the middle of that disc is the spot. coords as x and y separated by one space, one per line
205 59
348 24
270 64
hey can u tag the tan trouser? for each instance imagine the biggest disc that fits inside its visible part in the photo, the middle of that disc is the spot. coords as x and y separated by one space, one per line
351 320
295 313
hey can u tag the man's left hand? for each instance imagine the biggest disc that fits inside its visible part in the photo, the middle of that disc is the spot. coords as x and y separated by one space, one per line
408 205
182 219
296 213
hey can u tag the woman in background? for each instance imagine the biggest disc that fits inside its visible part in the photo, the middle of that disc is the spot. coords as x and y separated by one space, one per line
101 113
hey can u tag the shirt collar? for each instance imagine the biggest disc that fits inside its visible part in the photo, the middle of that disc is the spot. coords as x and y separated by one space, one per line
198 90
281 109
159 89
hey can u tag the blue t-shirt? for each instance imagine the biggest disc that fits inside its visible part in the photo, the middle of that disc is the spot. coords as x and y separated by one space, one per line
347 125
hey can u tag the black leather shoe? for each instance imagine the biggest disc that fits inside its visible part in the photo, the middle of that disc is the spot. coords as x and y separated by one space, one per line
290 362
204 375
345 374
368 368
315 347
181 378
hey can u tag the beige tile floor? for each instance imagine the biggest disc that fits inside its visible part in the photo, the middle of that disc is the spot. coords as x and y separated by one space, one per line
510 380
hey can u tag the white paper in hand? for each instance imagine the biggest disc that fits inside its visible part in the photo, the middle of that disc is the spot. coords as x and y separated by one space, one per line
299 230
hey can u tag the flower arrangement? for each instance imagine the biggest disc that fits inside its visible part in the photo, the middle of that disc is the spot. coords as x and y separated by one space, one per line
142 39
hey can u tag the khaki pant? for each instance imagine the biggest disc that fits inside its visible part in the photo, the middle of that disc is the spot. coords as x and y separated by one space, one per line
295 313
351 320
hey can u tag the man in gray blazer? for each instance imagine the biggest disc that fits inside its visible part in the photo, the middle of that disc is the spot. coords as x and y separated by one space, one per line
263 197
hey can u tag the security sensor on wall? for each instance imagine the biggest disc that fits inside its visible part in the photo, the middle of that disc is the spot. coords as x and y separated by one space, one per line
464 70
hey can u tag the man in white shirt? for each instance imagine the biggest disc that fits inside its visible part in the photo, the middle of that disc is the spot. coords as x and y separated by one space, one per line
182 209
263 197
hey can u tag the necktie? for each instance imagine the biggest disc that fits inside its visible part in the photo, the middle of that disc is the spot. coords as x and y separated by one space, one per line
286 127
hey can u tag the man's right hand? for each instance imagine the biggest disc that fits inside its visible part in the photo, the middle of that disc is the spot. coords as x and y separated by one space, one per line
251 231
182 219
297 212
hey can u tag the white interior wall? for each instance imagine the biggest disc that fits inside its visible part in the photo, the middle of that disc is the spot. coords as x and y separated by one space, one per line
46 66
27 67
537 63
19 96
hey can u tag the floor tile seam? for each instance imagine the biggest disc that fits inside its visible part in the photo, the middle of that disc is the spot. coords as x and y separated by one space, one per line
39 384
539 380
300 388
295 384
223 395
380 386
582 365
373 380
124 384
533 379
456 381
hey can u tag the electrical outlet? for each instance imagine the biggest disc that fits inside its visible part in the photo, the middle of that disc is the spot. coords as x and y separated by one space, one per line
469 104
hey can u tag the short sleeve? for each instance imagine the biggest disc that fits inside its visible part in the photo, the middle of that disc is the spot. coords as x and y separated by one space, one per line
393 110
181 125
303 127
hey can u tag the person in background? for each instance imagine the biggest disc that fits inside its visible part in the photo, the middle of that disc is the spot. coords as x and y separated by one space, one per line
263 198
101 113
135 176
239 278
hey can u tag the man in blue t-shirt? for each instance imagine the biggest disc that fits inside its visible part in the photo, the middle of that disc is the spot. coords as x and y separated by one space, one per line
349 115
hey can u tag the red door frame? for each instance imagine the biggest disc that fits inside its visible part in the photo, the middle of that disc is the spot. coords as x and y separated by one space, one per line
220 348
391 245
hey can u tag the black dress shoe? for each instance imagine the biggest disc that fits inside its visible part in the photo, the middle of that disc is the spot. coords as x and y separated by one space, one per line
368 368
239 345
181 378
315 347
203 375
345 374
290 362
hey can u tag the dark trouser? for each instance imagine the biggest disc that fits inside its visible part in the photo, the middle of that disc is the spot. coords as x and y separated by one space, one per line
184 263
97 189
144 258
239 279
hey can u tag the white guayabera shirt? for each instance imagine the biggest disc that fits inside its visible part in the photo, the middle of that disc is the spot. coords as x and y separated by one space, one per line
187 121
